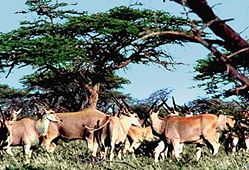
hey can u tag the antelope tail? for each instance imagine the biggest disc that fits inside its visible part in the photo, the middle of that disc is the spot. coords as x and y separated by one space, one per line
93 129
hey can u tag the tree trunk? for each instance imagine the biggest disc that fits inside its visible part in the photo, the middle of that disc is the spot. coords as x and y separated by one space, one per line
93 95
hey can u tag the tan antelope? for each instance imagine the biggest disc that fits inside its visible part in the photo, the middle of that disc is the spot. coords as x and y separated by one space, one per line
115 133
163 147
224 122
6 128
73 127
158 126
28 132
194 129
137 135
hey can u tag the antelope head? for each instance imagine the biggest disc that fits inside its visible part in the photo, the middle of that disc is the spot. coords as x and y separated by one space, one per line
51 116
45 118
134 119
154 110
12 117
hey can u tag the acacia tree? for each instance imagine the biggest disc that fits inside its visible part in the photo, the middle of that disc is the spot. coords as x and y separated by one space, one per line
76 53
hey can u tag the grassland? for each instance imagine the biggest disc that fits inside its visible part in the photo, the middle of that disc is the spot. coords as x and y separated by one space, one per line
72 156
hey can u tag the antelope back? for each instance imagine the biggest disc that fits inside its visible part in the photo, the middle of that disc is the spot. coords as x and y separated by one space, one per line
204 124
74 123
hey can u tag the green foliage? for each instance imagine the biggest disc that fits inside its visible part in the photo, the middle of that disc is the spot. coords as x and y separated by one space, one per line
216 106
49 9
8 92
213 77
98 40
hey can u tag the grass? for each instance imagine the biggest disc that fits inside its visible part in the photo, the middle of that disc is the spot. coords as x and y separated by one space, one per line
72 155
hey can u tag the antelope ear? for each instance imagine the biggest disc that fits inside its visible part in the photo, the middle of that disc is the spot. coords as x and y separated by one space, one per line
13 114
46 111
18 112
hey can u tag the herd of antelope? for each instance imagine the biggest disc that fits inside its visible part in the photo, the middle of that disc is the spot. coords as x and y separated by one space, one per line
123 132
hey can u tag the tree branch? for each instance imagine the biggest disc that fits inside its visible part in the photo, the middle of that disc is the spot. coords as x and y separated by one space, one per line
232 40
194 38
237 52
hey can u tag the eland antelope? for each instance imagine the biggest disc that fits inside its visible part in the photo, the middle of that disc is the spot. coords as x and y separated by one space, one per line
74 126
137 135
28 132
179 130
115 133
6 128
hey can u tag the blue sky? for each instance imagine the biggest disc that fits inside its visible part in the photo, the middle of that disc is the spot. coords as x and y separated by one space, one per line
144 79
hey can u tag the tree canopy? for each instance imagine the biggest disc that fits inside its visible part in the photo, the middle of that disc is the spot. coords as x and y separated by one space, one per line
71 52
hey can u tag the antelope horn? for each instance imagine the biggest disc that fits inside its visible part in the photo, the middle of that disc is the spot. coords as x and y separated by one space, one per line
41 103
120 105
13 114
113 110
167 106
160 105
183 108
153 105
127 107
167 110
116 101
174 104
